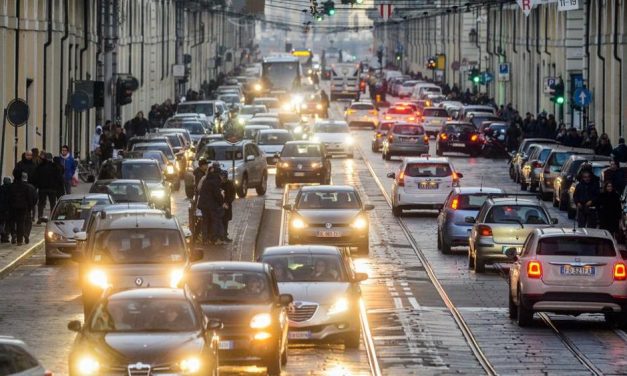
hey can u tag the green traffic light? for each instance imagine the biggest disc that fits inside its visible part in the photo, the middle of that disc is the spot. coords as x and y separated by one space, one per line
319 17
475 79
331 12
559 100
359 1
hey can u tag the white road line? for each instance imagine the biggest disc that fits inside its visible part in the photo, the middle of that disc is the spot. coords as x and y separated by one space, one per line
398 303
414 303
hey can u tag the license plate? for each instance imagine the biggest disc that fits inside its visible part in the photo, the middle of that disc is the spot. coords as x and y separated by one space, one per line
299 174
428 185
299 335
328 234
458 145
412 140
226 345
577 270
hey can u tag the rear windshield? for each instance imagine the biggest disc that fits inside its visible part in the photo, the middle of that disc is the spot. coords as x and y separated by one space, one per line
576 246
362 107
141 171
408 130
222 153
252 110
424 170
431 89
525 214
273 138
462 128
195 108
269 103
138 246
70 210
435 112
471 201
331 128
165 148
385 126
193 128
400 111
410 83
301 151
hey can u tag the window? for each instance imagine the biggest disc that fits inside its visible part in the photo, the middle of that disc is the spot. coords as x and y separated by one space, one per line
70 210
408 130
307 268
124 192
576 246
472 201
195 108
435 112
460 128
138 246
521 214
141 171
331 128
222 152
301 150
230 286
267 138
400 111
327 200
428 170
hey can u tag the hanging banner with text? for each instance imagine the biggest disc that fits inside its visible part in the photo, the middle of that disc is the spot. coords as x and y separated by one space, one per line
564 5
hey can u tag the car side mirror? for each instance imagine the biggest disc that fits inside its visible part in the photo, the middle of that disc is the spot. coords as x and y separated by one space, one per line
214 324
197 254
285 299
469 220
80 236
360 277
368 207
74 326
511 253
250 158
554 221
78 256
391 175
288 207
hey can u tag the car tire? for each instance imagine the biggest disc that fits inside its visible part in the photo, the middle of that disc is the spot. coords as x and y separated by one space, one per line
397 211
513 310
471 261
263 186
373 147
524 316
532 187
614 319
50 261
511 172
273 364
242 190
439 240
351 340
479 265
446 247
383 154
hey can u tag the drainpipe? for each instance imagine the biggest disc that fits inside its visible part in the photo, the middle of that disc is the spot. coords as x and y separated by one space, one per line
82 52
143 6
66 33
18 5
587 53
527 36
602 58
546 32
514 25
44 125
620 69
162 39
487 45
130 37
477 37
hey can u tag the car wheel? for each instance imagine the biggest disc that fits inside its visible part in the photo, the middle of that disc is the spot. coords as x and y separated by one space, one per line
511 172
242 191
532 187
439 240
364 247
524 316
513 310
471 260
373 147
479 265
263 186
351 340
382 153
446 247
615 319
278 182
546 196
273 363
397 211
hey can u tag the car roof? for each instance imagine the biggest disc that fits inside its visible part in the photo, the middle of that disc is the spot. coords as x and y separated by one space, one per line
139 160
226 143
257 126
573 231
119 181
459 122
149 292
327 188
515 201
425 159
127 206
301 249
563 148
302 142
362 102
470 190
151 143
339 122
201 102
10 340
228 265
156 219
274 131
83 196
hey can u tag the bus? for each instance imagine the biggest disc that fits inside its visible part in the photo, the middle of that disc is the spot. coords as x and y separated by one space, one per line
280 75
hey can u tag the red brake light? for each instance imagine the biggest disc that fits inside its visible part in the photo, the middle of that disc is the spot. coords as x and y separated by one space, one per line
620 272
388 117
425 139
455 203
390 138
373 112
484 230
534 269
401 179
443 136
474 137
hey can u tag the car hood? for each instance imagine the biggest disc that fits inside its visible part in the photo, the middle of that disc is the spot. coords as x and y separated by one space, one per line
328 216
65 227
271 149
236 314
331 137
149 348
316 292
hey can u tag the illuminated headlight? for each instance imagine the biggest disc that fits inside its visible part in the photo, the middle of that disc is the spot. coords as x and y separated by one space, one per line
359 223
241 121
287 107
87 365
297 99
349 140
285 165
315 165
340 305
260 321
190 365
318 106
170 170
298 223
98 278
315 139
189 154
303 106
159 194
257 87
53 236
298 129
176 276
309 71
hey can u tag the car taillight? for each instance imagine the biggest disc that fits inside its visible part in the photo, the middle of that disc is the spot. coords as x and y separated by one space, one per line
390 138
388 117
534 269
411 118
443 136
474 138
373 112
401 179
426 139
484 230
48 373
620 272
350 111
455 203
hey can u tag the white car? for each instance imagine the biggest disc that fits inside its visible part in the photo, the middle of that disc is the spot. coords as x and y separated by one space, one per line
362 114
335 136
17 359
570 271
422 183
271 142
407 88
401 113
433 118
250 131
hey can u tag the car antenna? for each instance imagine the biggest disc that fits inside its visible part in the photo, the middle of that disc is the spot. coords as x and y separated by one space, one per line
481 184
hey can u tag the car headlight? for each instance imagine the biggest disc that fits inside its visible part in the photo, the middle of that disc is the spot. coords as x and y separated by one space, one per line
190 365
241 121
287 107
170 170
298 129
158 193
260 321
53 236
359 223
349 140
318 106
257 87
285 165
87 365
176 276
98 278
315 139
340 305
315 165
298 223
297 99
303 106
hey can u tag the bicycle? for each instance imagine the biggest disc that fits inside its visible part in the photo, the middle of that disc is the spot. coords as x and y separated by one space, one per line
86 171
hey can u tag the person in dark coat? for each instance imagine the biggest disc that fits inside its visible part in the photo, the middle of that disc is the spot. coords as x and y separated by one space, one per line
48 180
5 210
69 167
140 124
57 162
211 203
585 196
229 196
106 147
27 165
200 171
616 176
119 139
609 208
620 152
21 199
604 147
28 220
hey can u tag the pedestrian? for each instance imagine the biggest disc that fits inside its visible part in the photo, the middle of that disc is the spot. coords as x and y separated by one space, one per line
106 147
57 162
572 138
36 157
604 147
551 126
5 210
47 181
324 101
229 196
200 172
616 176
20 204
94 150
211 203
32 196
609 207
620 151
586 194
69 166
140 124
27 165
512 135
119 139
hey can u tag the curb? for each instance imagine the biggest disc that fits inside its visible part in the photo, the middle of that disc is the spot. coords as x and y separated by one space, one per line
21 259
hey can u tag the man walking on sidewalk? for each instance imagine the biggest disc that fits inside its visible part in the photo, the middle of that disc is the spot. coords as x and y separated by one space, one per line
69 165
32 197
47 180
229 196
21 203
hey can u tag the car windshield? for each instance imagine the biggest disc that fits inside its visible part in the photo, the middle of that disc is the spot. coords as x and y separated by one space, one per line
229 98
195 108
435 112
268 138
400 111
192 127
362 107
521 214
301 150
327 200
479 119
165 148
222 152
269 103
252 110
138 246
144 315
460 128
306 268
428 170
152 154
577 246
251 133
122 192
544 154
70 210
141 171
472 201
557 160
331 128
408 130
240 287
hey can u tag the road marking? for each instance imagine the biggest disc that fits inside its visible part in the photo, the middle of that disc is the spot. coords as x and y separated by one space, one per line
414 303
398 303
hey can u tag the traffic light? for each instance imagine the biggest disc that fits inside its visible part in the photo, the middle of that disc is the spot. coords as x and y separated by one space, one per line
431 63
329 8
124 88
557 96
475 76
399 56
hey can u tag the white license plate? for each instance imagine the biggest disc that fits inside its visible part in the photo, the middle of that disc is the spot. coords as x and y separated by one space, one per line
299 335
458 145
299 174
577 270
329 234
428 185
226 345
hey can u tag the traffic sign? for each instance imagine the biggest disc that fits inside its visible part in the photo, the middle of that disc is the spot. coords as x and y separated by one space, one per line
526 5
549 82
582 97
80 101
487 77
504 69
18 112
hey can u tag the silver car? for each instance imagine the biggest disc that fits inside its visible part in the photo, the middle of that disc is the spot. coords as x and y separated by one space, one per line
405 139
569 271
17 359
66 219
462 202
503 223
326 292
